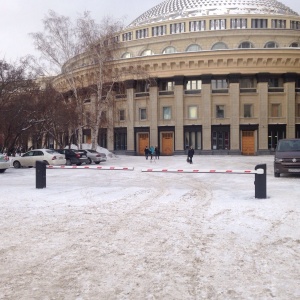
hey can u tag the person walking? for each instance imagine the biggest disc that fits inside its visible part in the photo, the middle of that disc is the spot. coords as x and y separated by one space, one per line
151 150
190 155
157 152
146 151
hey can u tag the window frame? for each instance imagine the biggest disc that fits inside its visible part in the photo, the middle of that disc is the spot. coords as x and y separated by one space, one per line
143 114
192 115
220 111
167 113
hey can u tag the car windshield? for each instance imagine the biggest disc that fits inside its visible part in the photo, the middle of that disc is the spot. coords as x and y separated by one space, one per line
288 146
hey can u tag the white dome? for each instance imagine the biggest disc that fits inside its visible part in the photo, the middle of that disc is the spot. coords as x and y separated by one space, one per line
178 9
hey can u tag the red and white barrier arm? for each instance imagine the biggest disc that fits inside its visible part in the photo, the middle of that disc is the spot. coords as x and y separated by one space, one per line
91 167
258 171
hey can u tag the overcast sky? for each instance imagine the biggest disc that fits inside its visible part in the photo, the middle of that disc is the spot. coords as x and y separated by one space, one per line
18 18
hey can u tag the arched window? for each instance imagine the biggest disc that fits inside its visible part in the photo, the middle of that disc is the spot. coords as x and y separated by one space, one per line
219 46
169 50
147 52
295 45
271 45
246 45
126 55
193 48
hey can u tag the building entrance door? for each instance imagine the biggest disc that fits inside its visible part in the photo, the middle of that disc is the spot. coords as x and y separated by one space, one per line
167 143
248 143
143 142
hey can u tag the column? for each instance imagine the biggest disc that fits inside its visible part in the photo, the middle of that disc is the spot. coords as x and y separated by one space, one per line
234 93
178 97
130 90
262 90
206 112
290 99
153 113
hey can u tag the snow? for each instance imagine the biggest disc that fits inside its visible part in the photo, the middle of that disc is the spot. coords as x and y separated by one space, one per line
108 234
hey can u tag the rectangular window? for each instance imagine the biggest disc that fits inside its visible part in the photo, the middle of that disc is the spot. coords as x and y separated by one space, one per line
142 87
275 82
217 24
197 26
193 112
219 84
275 110
238 23
127 36
220 111
259 23
248 110
167 113
247 83
122 115
159 30
295 25
167 86
193 85
142 33
275 85
281 24
177 28
143 114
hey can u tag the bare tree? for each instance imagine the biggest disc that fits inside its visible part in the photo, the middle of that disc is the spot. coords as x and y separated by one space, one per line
18 113
61 41
102 79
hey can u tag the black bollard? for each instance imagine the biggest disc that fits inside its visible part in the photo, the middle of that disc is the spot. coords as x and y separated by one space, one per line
261 182
40 174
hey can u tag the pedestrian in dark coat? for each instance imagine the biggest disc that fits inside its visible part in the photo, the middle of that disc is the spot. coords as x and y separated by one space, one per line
157 152
146 151
190 155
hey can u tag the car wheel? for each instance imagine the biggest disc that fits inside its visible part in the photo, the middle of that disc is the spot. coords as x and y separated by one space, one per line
16 164
97 162
2 170
79 164
68 162
46 162
276 174
90 161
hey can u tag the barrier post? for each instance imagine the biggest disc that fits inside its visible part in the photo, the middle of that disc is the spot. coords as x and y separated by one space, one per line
261 182
40 174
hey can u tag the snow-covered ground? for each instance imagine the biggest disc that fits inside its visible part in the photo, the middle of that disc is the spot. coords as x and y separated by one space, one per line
107 234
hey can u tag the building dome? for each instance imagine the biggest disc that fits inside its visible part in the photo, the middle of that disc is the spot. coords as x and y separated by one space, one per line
178 9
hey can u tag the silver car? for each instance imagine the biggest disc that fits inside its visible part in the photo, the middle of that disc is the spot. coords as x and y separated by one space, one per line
4 163
29 159
95 156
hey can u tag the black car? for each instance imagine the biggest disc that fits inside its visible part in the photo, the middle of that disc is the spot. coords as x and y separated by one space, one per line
74 157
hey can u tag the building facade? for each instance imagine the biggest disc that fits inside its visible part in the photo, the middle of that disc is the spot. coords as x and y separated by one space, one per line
225 79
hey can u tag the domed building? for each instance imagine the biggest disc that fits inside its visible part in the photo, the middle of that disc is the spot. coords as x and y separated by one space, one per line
226 79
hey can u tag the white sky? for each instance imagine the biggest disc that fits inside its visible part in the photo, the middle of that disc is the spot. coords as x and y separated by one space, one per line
18 18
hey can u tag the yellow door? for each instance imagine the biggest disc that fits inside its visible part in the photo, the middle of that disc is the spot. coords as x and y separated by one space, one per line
167 143
248 144
143 142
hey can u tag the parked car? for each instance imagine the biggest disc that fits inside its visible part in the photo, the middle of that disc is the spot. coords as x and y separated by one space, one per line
4 163
287 157
95 156
29 159
74 157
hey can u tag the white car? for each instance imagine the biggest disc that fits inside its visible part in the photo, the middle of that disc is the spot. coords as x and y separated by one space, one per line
50 157
94 156
4 163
